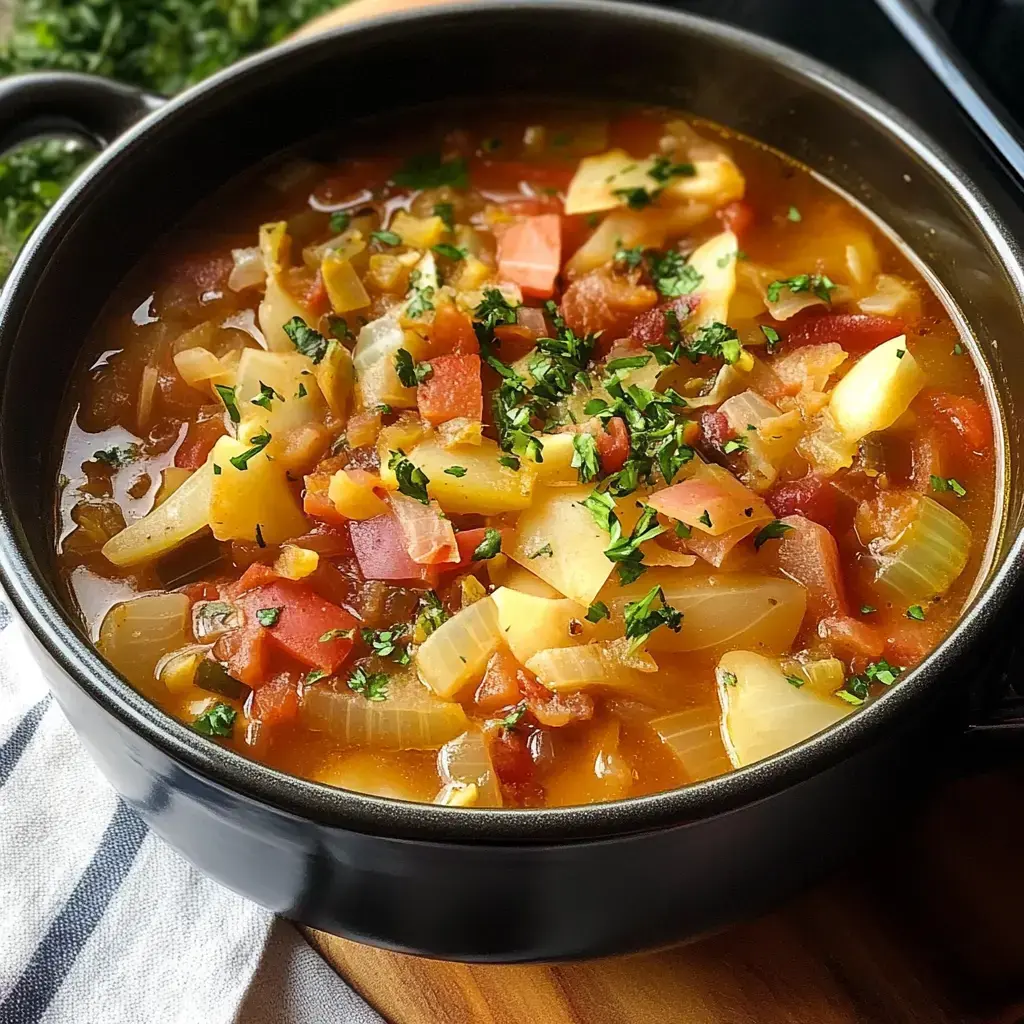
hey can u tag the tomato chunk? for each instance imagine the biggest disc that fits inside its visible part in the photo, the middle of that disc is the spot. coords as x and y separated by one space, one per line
600 301
613 445
812 497
856 332
499 687
651 327
452 333
245 653
380 550
453 390
964 420
201 436
530 254
315 500
277 702
303 620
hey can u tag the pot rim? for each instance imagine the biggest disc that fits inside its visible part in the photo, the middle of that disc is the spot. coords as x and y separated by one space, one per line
55 629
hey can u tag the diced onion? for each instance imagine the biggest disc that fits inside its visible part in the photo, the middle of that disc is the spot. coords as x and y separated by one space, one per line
248 270
373 359
183 514
892 297
694 735
136 634
927 556
465 761
411 718
712 501
456 653
765 449
344 286
763 713
823 675
429 537
808 368
529 623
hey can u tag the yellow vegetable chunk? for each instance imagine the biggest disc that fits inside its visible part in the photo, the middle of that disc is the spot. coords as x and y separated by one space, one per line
621 229
762 713
178 671
289 374
276 309
336 377
559 540
184 513
720 612
715 261
260 495
557 469
488 488
296 563
353 496
598 178
530 624
456 653
419 232
344 287
878 389
201 369
275 246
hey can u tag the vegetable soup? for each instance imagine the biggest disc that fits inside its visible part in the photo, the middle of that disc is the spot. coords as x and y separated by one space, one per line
505 461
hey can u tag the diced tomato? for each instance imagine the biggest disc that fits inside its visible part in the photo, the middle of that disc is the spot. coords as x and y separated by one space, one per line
811 496
380 551
201 436
305 618
499 687
201 590
964 419
316 299
257 575
452 333
276 702
510 755
600 301
737 217
856 332
808 554
315 500
650 328
553 710
851 636
506 175
714 428
530 254
613 445
452 390
245 652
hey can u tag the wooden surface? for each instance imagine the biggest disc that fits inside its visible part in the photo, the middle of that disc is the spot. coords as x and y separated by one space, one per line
929 931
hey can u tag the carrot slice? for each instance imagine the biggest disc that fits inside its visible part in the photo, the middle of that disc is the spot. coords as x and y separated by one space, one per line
530 254
453 390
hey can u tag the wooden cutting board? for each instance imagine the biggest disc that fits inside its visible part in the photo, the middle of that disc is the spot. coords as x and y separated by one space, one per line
930 931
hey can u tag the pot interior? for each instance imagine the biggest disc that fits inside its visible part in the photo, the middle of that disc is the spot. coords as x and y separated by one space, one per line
582 52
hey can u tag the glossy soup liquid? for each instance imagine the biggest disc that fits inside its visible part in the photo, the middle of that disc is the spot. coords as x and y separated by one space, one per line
137 429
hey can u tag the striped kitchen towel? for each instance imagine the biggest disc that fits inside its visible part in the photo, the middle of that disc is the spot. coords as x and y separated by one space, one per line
101 923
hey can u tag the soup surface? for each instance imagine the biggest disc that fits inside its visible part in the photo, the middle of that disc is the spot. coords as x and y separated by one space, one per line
518 461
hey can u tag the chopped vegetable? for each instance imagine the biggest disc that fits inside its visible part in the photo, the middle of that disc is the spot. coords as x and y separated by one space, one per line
456 653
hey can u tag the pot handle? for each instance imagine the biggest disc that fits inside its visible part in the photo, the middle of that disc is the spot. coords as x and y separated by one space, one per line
62 103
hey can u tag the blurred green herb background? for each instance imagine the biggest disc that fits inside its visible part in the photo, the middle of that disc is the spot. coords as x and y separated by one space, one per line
160 45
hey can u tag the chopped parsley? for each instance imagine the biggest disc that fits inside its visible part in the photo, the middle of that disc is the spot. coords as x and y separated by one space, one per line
117 455
412 481
456 471
451 252
771 337
958 349
489 546
772 531
428 170
819 284
494 311
868 609
336 634
705 519
629 259
260 542
410 374
664 169
268 616
943 484
266 396
384 643
422 297
340 220
584 457
682 530
306 340
227 396
514 717
259 442
857 688
735 444
544 552
794 215
372 685
915 611
728 678
672 275
621 549
218 720
598 611
432 614
636 198
795 681
386 237
314 675
642 618
509 461
302 392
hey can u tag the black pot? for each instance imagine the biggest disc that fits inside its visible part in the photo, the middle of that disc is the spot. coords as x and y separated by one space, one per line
485 885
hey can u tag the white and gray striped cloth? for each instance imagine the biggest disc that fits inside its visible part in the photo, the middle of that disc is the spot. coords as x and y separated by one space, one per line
101 923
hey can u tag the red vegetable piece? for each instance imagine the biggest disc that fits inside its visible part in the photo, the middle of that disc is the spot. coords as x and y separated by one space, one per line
452 333
304 618
316 502
379 545
453 390
808 554
257 575
600 301
510 755
857 333
530 254
965 420
649 328
737 217
499 687
245 653
553 709
812 497
851 636
201 436
714 428
613 445
276 702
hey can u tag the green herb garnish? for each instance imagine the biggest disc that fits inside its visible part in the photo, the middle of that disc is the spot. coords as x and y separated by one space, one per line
451 252
598 611
456 471
259 442
266 396
268 616
412 481
218 720
819 284
489 546
584 457
642 618
386 237
372 685
772 531
306 340
340 220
